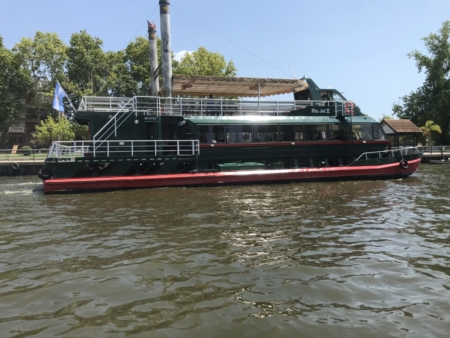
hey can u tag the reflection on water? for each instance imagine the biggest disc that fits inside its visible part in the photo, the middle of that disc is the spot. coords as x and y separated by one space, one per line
353 259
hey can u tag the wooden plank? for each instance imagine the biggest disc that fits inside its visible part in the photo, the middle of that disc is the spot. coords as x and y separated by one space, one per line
14 149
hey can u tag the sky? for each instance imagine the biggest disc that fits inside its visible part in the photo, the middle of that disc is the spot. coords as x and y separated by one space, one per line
358 47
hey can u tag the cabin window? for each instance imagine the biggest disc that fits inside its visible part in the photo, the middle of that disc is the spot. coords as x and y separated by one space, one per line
337 96
239 133
362 132
378 133
339 132
302 96
265 133
316 132
289 133
211 133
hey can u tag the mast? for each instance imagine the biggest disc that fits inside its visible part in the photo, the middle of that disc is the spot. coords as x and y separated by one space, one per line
153 59
166 48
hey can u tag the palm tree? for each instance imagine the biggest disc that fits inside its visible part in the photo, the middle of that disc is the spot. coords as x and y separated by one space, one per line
429 127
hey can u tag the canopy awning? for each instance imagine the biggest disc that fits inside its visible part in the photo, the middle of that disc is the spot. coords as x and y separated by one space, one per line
233 86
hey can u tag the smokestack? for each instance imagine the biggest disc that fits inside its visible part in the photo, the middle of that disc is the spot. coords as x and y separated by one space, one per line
153 58
166 49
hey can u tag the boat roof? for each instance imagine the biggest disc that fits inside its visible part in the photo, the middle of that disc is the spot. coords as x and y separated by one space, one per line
233 86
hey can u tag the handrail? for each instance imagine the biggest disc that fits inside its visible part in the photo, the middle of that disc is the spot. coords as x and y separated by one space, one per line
69 150
401 151
155 105
114 119
436 149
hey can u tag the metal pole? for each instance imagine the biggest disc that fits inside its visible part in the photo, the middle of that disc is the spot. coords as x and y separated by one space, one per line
153 59
259 97
164 6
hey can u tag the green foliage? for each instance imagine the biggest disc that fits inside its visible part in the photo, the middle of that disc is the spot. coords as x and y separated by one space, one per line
26 150
61 129
14 85
357 111
44 56
83 68
204 62
432 100
387 117
427 130
86 67
81 132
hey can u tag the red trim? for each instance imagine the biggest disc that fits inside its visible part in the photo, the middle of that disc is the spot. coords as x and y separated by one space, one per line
248 176
286 144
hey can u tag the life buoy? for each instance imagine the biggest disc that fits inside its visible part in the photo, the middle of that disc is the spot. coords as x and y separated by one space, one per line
15 165
45 174
349 108
404 164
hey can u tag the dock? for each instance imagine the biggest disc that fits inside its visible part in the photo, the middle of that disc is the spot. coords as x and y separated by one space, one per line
19 167
434 153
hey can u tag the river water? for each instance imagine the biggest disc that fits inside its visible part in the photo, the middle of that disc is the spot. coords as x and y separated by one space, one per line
336 259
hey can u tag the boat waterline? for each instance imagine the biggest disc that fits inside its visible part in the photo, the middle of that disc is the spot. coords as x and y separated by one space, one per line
232 177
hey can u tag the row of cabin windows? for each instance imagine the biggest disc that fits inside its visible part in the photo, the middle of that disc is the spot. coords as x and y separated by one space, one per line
286 133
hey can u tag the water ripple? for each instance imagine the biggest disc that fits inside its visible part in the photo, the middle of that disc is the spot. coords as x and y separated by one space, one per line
353 259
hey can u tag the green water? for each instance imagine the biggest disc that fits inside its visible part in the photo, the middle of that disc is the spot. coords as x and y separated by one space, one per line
335 259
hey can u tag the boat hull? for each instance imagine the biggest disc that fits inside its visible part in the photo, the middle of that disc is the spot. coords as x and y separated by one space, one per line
391 170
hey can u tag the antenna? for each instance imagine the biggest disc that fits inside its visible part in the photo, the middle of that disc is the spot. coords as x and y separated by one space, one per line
295 77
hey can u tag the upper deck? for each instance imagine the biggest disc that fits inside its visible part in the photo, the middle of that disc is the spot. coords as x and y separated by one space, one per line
180 106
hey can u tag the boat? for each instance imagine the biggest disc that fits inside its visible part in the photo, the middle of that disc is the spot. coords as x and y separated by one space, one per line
142 142
205 130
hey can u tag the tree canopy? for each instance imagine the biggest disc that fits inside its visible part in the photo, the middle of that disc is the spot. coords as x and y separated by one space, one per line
14 85
84 68
432 100
428 129
204 62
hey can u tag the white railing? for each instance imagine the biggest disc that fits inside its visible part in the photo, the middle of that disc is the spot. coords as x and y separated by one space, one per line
69 150
394 152
159 106
434 149
151 105
115 121
105 104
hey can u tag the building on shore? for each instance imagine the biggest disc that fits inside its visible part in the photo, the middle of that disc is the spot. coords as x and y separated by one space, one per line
29 116
401 133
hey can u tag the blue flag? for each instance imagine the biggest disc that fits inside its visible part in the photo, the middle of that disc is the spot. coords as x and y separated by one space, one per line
58 98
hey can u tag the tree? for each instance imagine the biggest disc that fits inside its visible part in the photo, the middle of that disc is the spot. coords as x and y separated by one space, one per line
61 128
204 62
432 100
14 85
137 62
120 81
387 117
428 128
44 56
87 68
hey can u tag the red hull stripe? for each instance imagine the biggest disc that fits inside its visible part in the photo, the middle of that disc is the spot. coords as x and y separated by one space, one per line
228 177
